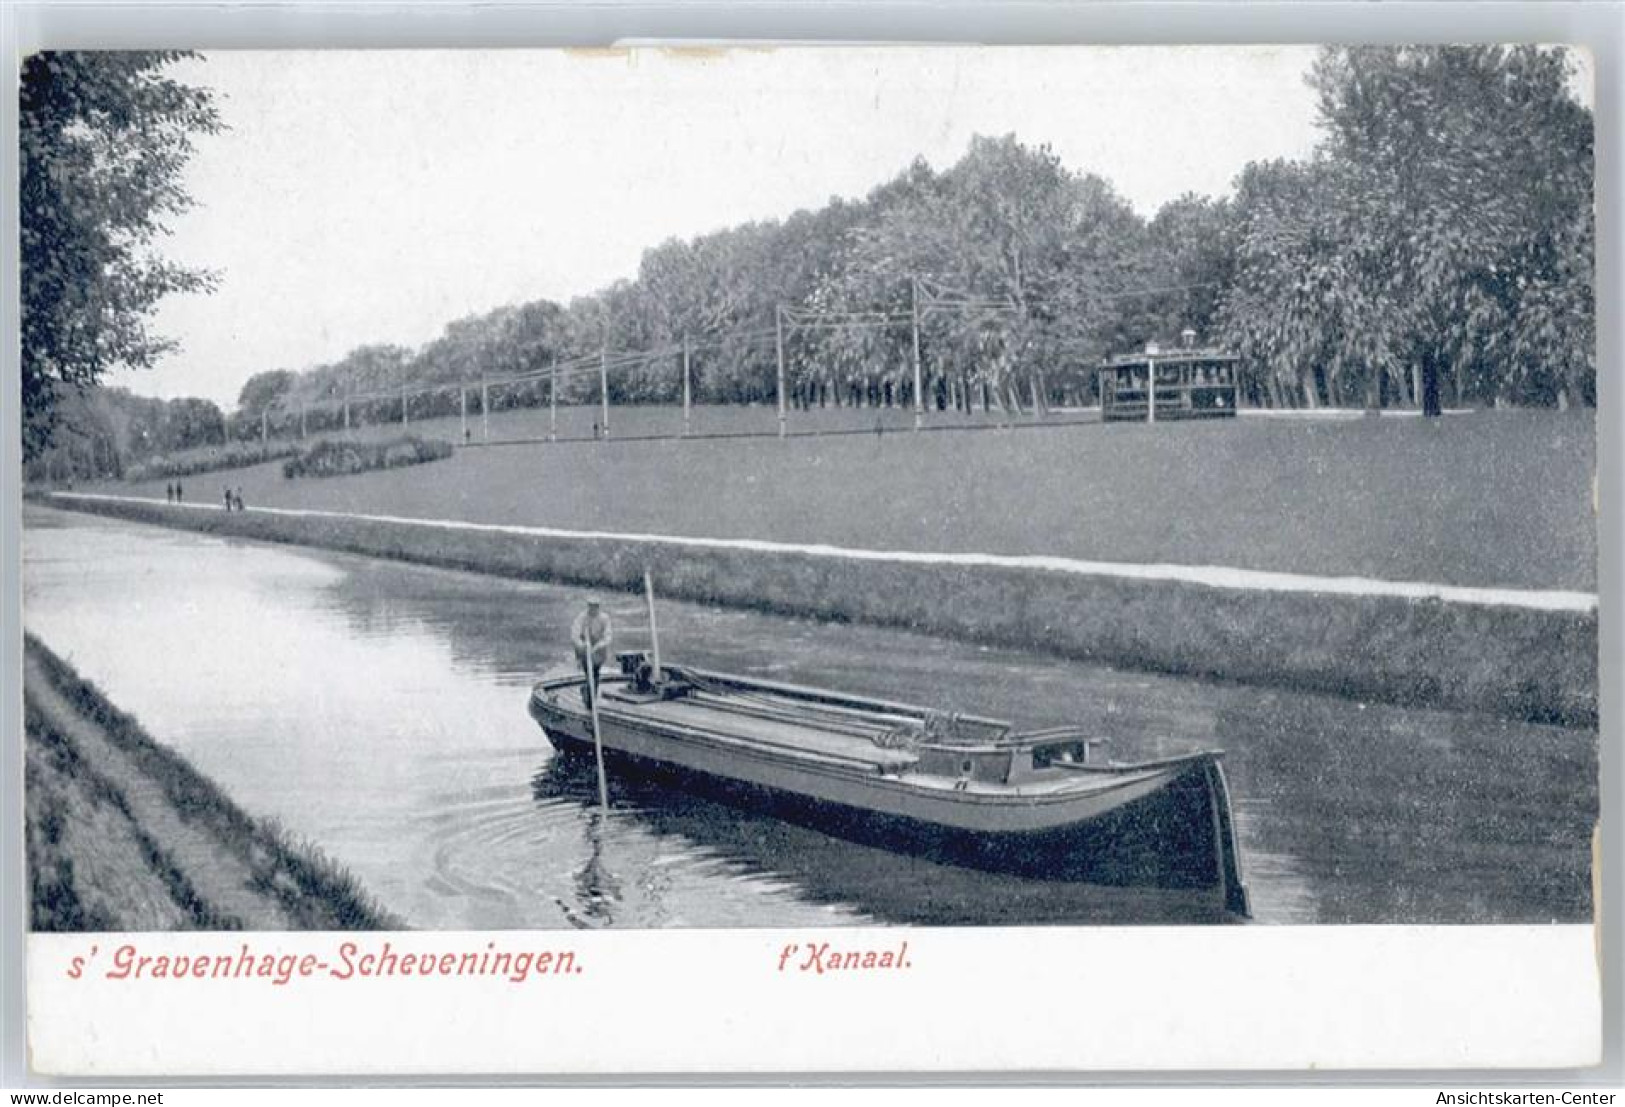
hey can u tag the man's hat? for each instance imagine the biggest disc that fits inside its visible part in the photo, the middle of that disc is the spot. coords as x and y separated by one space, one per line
592 601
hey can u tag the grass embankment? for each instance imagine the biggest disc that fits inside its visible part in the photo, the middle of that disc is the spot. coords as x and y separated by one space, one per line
1518 661
123 834
1492 499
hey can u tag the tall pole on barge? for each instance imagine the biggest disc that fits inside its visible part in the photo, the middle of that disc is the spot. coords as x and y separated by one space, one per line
597 734
654 629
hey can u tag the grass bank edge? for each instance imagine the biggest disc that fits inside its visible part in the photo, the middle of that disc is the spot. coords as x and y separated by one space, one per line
1534 665
318 891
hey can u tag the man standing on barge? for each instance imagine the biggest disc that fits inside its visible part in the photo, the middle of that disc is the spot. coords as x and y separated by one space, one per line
590 635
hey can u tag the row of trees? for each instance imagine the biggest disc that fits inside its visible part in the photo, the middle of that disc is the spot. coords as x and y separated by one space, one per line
1437 247
1020 269
1441 240
101 431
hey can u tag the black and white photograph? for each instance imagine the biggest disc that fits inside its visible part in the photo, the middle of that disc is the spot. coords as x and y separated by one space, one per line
809 489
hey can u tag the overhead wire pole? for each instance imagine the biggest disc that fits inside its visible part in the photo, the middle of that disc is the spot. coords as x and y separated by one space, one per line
603 390
923 301
686 386
462 407
553 402
914 322
778 330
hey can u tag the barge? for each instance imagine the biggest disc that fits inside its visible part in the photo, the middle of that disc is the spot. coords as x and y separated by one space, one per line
957 788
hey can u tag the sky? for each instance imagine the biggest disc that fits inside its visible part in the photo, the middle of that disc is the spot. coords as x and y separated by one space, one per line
362 197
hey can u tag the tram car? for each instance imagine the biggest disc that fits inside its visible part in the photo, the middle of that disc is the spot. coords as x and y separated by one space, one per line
1156 385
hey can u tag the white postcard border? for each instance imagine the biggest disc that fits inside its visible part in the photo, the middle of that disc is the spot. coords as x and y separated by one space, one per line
756 1001
53 1006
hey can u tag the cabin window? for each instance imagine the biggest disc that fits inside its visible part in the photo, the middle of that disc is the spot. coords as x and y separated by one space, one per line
1067 753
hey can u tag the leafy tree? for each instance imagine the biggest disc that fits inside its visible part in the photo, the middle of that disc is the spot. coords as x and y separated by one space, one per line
264 391
1192 243
1442 236
103 140
379 367
190 422
1294 308
1020 266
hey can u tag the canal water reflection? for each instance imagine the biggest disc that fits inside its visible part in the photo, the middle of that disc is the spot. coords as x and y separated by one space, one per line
378 710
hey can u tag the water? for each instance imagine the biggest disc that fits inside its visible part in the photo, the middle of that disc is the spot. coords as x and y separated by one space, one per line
378 710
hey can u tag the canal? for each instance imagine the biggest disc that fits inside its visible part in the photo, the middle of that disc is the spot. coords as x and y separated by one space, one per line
378 710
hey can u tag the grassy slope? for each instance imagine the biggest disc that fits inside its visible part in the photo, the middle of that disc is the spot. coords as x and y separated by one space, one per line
123 834
1491 498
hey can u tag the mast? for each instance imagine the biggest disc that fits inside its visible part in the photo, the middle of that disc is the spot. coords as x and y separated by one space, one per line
654 629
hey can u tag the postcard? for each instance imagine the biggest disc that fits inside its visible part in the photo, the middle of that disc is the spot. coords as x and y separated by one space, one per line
810 560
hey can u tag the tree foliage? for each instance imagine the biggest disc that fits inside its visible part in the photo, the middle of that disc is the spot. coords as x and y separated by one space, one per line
1191 247
105 430
264 391
1017 261
1442 235
1439 242
1052 251
103 138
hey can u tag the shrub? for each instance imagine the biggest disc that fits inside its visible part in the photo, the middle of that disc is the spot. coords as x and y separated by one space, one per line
204 459
332 459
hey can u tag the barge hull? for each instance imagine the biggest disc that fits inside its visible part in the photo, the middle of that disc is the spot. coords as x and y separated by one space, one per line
1178 837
